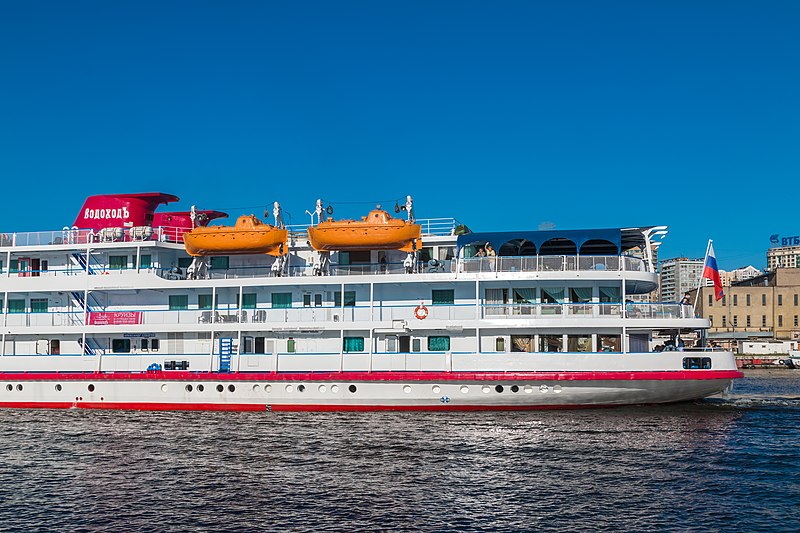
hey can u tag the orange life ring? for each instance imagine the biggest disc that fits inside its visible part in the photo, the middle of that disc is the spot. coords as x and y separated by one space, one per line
421 312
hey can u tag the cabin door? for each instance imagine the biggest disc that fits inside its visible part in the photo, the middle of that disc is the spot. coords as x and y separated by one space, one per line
404 344
36 266
24 267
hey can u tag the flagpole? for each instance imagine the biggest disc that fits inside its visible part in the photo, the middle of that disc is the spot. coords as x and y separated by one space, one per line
700 281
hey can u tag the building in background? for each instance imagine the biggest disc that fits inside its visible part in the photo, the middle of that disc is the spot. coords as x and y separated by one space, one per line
678 276
783 252
760 308
739 274
640 252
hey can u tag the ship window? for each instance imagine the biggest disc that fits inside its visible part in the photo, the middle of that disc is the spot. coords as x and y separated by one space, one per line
145 261
204 301
220 263
443 296
259 345
117 262
552 295
16 306
500 344
550 343
349 298
281 300
185 262
415 345
521 343
697 363
317 300
248 301
144 345
610 294
425 255
579 343
608 343
13 265
580 294
353 344
306 300
1 267
121 345
291 346
438 343
391 343
55 347
249 345
38 305
178 302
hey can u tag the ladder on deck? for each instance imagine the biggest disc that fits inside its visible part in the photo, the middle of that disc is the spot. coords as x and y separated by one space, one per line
225 353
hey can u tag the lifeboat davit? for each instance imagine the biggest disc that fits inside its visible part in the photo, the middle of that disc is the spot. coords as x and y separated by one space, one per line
248 236
376 231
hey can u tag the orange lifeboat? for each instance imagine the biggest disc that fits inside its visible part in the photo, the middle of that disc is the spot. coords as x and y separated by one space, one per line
376 231
248 236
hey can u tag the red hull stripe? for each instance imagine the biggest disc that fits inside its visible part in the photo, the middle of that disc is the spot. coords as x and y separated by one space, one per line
154 406
179 375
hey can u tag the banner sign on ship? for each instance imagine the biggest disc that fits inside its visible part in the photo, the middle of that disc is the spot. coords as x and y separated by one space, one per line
115 318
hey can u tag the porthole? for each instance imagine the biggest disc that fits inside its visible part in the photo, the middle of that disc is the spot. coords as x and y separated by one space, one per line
90 387
189 388
256 388
335 389
352 388
485 389
201 388
407 389
322 388
557 389
436 389
464 389
499 388
543 388
58 387
231 388
220 388
528 389
164 388
301 388
19 387
289 388
9 387
267 388
514 388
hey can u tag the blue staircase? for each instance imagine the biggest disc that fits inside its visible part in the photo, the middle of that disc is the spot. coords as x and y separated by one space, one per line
225 353
80 257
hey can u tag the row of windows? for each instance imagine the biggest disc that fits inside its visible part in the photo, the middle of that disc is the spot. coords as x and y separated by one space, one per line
124 345
747 300
748 322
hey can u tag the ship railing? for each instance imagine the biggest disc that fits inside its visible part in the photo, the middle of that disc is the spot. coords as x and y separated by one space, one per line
551 263
84 237
333 314
431 227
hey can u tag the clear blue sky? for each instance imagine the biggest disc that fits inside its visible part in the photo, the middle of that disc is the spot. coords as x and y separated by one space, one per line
504 115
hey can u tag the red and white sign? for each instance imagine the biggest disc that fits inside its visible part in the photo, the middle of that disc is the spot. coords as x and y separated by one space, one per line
115 318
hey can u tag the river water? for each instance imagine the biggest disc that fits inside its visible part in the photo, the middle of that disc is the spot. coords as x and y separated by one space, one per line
724 464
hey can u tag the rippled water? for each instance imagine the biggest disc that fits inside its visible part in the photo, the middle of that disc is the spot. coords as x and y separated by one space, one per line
719 465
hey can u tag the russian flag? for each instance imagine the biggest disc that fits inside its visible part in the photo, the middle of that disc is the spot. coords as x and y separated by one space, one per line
710 271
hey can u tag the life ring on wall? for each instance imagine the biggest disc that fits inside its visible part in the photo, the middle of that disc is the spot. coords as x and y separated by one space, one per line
421 312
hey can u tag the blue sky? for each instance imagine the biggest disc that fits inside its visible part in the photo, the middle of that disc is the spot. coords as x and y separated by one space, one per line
505 115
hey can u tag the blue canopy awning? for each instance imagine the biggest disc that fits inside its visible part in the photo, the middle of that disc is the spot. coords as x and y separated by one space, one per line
498 238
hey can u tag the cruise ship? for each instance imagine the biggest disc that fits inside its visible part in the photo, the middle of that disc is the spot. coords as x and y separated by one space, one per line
133 306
